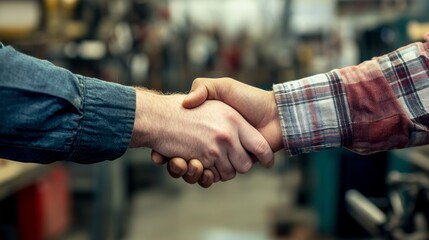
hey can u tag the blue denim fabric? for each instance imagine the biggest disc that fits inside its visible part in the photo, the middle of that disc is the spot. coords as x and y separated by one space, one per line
49 114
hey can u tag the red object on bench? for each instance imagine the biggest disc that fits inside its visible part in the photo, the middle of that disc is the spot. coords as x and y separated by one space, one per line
44 207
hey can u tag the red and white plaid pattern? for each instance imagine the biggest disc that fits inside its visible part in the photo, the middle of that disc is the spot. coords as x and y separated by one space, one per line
377 105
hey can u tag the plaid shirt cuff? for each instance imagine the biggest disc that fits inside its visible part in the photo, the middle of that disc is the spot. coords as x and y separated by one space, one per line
314 114
378 105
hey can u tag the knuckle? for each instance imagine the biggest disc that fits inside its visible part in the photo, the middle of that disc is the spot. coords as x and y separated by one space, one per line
213 153
231 115
224 136
198 80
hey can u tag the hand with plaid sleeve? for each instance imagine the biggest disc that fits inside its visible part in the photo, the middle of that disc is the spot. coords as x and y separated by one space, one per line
378 105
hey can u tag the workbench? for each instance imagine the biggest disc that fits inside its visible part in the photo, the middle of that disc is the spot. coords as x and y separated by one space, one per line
16 175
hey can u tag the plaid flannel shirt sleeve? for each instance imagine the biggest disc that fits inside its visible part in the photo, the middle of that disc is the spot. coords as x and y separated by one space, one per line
378 105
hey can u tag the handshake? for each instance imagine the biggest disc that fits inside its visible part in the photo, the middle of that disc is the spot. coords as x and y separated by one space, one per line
220 128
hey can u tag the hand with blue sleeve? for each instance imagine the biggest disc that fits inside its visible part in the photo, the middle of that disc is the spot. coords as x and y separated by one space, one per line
48 114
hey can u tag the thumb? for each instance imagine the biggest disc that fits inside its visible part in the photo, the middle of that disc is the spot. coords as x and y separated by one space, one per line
197 96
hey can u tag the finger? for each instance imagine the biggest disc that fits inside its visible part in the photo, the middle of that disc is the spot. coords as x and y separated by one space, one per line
255 143
177 167
239 158
206 180
224 167
195 170
216 175
197 95
157 158
225 171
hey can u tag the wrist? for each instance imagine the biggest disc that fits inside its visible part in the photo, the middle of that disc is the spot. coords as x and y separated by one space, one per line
277 138
158 119
145 122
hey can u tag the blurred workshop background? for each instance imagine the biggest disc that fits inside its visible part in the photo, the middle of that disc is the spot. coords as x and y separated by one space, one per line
164 45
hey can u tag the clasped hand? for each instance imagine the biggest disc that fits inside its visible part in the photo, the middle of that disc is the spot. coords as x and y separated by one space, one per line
222 127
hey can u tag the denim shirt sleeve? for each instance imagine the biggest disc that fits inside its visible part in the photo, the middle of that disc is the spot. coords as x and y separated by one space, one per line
49 114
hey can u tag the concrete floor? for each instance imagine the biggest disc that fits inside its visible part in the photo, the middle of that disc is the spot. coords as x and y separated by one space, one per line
238 209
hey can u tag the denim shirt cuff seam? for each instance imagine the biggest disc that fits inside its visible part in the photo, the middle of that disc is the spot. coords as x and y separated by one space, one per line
107 121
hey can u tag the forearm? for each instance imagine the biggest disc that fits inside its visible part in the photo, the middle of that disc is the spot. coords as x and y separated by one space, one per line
378 105
49 114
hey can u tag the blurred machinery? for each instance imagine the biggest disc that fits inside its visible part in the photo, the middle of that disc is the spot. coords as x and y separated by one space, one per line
139 43
404 213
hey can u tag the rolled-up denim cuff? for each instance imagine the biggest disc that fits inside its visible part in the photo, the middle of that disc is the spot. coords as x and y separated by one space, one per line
108 119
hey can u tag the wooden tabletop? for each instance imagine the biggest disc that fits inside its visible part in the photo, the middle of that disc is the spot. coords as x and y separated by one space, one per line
16 175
